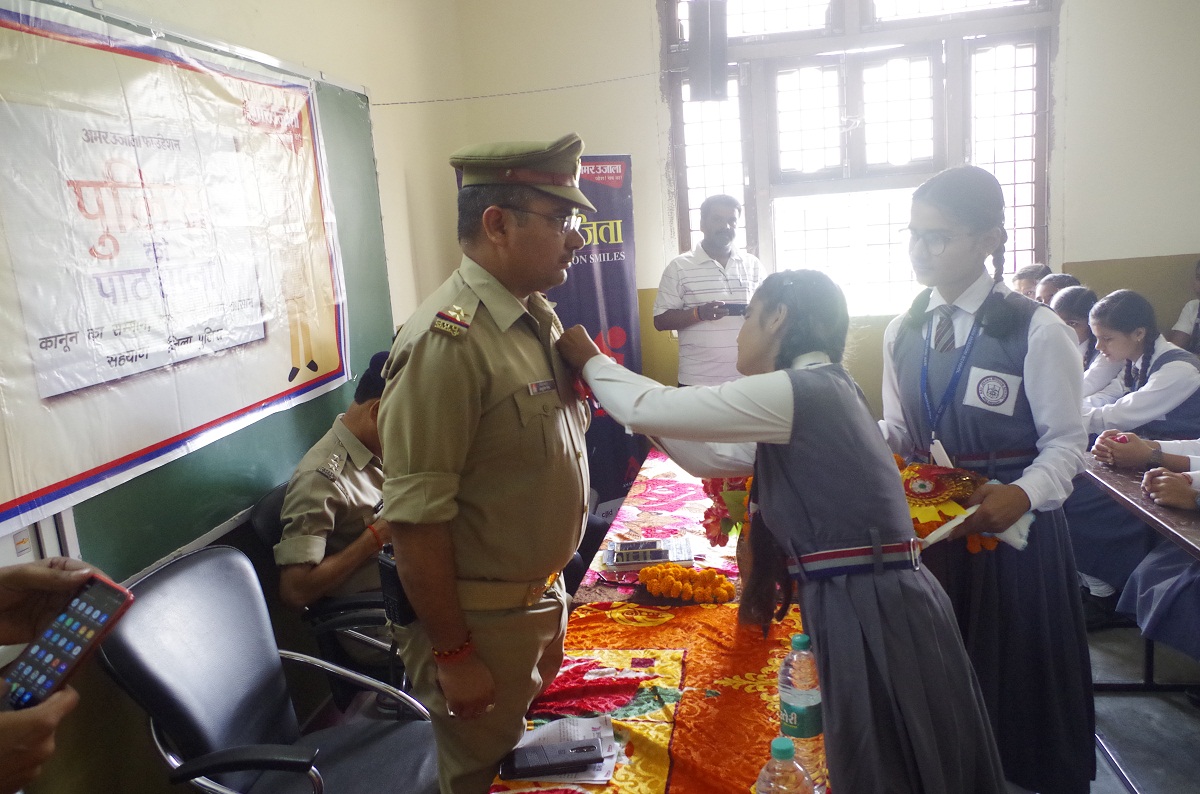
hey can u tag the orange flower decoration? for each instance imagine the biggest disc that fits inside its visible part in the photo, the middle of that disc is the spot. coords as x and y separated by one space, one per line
701 586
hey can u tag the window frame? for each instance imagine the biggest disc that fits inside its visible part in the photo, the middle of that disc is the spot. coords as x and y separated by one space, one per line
853 36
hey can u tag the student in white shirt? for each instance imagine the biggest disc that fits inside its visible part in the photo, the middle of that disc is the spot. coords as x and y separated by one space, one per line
1157 394
1050 286
1072 305
1186 331
902 711
994 379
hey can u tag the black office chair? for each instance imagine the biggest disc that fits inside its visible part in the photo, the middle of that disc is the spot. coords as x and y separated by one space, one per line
334 618
197 653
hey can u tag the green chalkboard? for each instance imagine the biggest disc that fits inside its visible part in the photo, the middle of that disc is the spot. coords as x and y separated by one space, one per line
133 525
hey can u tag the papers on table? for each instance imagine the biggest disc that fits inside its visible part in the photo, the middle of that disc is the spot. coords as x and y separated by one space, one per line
574 729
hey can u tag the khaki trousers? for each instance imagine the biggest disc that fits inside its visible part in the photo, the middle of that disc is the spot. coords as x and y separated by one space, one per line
524 650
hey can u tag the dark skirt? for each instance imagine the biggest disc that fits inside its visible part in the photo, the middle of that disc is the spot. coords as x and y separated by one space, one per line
1022 623
902 710
1164 594
1107 539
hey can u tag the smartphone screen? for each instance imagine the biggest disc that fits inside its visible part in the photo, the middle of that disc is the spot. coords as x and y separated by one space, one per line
735 309
48 661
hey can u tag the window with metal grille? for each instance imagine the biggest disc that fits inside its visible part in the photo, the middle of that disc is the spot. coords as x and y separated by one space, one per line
840 117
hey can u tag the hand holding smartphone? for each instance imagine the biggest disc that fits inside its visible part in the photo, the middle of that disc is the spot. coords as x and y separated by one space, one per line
65 641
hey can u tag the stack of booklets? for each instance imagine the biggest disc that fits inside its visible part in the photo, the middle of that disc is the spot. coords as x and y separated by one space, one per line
632 555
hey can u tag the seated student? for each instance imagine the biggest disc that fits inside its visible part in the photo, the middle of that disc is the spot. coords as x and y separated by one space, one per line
1158 394
1186 331
1164 590
329 543
903 711
1049 286
1026 279
1072 305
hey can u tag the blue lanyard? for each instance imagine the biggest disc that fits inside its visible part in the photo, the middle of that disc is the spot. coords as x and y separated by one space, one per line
947 397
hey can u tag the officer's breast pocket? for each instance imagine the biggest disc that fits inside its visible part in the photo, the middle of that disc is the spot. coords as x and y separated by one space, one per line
538 437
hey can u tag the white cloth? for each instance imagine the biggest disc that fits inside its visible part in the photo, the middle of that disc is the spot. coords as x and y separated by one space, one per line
1187 318
1052 378
1115 407
755 409
708 349
1100 372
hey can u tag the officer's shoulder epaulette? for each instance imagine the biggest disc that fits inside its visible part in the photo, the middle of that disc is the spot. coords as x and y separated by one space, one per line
454 320
333 466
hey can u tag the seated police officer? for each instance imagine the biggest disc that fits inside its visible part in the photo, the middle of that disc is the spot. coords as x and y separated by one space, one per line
329 542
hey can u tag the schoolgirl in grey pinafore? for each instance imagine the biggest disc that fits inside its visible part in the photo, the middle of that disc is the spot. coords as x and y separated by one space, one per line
902 709
1019 611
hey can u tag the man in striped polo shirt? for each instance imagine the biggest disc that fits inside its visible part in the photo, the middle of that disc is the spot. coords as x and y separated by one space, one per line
703 295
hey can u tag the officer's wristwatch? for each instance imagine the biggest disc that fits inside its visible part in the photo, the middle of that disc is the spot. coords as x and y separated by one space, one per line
1156 456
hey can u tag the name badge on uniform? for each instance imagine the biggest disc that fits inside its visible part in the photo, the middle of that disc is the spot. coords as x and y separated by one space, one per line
541 387
992 391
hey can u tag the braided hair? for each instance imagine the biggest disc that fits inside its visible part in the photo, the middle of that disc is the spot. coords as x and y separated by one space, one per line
972 196
817 319
1126 311
1077 302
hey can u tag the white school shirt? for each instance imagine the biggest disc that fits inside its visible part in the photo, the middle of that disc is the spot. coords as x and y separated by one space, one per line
1187 448
1100 372
1115 407
1187 318
708 349
751 410
1052 379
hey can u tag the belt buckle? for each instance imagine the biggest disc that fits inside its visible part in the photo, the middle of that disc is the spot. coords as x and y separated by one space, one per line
914 553
536 591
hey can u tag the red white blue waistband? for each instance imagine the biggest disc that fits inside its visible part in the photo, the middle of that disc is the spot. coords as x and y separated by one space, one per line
858 559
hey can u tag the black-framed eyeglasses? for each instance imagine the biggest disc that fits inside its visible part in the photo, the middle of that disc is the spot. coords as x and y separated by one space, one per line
570 222
935 241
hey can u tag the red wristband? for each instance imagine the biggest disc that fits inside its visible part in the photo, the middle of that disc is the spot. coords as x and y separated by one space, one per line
696 313
378 540
455 655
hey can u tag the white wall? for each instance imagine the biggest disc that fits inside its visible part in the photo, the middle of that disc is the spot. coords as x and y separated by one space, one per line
1125 159
521 46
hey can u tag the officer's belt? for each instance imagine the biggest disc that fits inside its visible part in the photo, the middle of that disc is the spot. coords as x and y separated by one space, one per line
477 595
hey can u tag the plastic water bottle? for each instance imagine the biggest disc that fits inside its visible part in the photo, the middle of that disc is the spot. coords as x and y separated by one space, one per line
800 709
782 774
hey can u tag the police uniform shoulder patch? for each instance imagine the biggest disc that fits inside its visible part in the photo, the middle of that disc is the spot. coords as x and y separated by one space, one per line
332 468
452 320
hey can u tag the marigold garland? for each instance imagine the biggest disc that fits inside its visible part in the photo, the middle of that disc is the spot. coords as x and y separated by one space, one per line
703 586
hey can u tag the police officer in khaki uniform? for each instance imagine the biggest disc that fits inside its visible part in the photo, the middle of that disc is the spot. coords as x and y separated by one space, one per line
329 544
484 458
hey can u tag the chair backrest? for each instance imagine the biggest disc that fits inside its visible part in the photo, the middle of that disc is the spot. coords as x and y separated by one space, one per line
197 652
264 516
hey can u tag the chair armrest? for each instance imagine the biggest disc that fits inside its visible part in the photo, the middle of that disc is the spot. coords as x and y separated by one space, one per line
372 599
364 681
278 757
336 621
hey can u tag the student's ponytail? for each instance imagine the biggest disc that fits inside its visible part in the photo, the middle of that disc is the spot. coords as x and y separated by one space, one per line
998 257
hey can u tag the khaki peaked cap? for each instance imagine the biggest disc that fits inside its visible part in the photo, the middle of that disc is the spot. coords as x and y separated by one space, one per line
549 166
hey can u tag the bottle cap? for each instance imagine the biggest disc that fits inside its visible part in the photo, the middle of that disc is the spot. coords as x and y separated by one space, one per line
782 749
800 642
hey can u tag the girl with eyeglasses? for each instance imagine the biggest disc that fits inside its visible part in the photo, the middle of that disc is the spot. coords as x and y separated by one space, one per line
1156 394
992 380
1072 305
901 708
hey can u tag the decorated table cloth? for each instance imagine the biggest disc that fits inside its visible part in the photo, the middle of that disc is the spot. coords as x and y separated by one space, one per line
663 501
692 695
